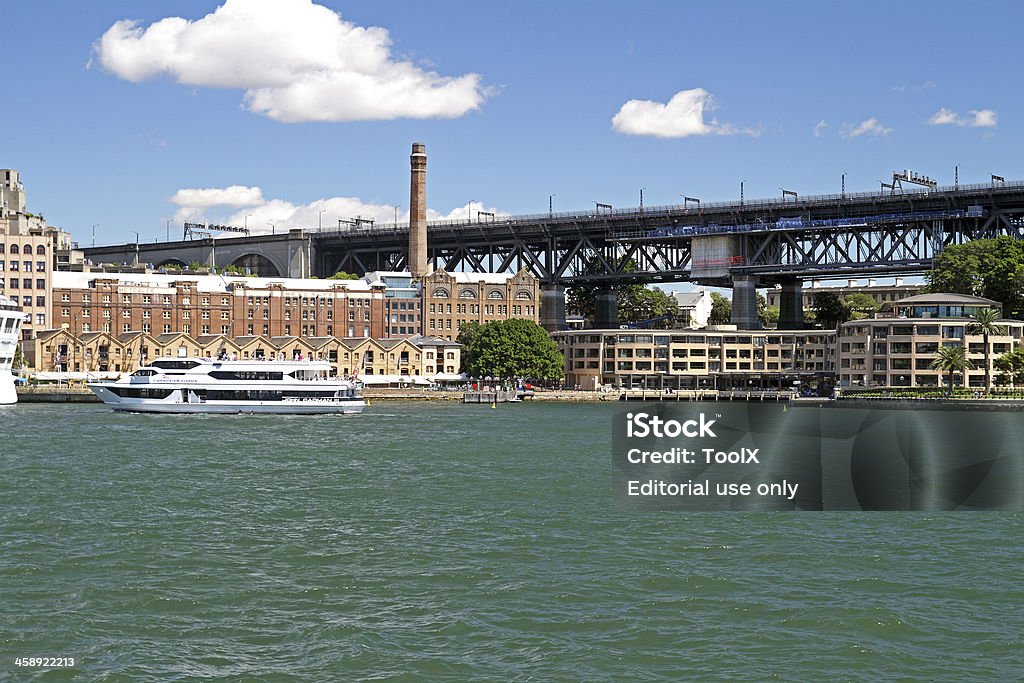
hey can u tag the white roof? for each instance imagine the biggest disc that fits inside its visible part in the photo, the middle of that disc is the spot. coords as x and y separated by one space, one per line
204 283
488 278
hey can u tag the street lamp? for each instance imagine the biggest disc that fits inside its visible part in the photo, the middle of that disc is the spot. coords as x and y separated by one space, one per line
741 190
168 230
246 219
642 199
844 186
320 219
273 228
94 233
551 205
469 211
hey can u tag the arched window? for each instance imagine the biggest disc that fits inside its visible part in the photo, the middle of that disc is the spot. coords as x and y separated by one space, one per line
14 248
467 294
41 250
495 294
441 294
523 296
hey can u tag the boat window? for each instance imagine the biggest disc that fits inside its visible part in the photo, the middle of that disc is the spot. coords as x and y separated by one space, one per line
144 373
247 376
169 364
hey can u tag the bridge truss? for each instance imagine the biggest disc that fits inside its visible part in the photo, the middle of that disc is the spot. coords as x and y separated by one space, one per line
836 235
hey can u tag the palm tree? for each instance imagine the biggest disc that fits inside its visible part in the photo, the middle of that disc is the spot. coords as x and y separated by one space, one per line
985 323
952 359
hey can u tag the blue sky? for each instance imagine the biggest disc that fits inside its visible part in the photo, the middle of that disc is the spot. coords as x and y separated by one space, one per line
271 111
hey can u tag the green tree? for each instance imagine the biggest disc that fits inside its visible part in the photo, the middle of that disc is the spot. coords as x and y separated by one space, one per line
992 268
986 323
637 303
861 305
468 334
512 348
830 310
770 316
1011 367
342 275
952 359
721 309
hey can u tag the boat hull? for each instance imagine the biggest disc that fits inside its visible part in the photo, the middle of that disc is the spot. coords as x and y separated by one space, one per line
8 394
174 405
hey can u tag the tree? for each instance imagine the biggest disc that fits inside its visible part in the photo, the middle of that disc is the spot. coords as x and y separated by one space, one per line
770 316
468 334
510 348
1011 367
985 323
829 310
861 305
342 275
637 303
951 359
721 310
992 268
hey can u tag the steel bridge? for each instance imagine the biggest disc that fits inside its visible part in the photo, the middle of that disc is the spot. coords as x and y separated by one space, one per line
742 244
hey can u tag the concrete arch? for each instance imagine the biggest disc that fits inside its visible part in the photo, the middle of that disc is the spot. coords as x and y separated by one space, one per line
172 263
257 264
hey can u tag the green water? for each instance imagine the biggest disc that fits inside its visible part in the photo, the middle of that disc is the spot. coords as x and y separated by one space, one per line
424 542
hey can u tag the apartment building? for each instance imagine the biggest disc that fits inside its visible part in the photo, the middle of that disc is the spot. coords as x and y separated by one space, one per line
721 358
894 349
30 251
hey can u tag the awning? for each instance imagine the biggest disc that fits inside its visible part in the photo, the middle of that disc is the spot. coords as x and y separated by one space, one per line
401 380
450 377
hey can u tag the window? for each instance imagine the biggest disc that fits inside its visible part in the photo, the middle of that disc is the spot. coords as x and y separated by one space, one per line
40 283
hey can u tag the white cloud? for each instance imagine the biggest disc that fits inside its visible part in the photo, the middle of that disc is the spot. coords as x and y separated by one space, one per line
867 127
821 125
917 88
236 195
296 60
246 206
681 116
978 118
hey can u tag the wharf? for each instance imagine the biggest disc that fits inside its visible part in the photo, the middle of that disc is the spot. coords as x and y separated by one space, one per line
56 394
704 395
495 396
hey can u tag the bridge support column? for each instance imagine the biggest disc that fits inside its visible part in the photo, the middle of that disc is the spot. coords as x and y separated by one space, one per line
744 302
791 305
552 307
606 309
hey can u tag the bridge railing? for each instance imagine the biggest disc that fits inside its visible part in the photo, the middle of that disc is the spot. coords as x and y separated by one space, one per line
526 221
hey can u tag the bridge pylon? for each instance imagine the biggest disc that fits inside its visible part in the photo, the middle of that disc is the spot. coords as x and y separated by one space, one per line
552 307
744 302
791 304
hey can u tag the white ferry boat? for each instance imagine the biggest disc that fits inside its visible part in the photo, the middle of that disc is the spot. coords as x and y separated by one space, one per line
205 385
11 318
